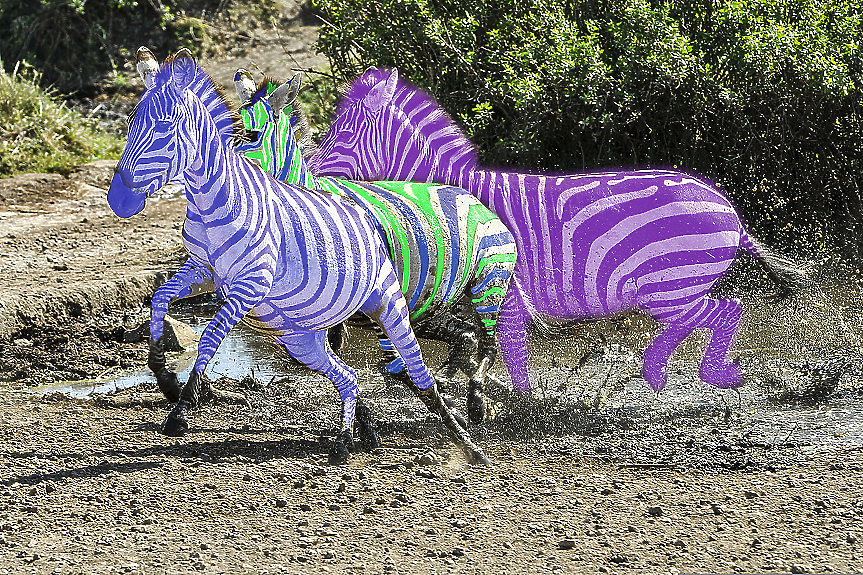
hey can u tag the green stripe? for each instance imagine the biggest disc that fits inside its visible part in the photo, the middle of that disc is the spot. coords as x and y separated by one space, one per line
495 258
420 196
489 292
476 214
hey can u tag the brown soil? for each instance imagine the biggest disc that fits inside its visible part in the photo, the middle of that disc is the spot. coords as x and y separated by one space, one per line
90 486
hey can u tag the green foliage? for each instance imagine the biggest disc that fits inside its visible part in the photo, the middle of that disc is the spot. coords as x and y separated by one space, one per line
764 96
74 42
39 134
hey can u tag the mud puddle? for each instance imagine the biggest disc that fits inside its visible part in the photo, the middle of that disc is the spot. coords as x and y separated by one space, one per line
802 361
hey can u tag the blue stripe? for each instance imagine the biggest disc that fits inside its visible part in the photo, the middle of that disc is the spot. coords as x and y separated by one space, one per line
447 198
501 239
495 274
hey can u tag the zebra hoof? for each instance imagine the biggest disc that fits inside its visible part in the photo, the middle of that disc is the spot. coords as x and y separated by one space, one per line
367 436
477 407
341 448
177 422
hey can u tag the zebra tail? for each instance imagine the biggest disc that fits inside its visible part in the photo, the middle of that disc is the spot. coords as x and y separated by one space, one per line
787 275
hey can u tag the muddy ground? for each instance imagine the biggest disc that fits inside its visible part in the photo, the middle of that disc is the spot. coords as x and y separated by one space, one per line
591 474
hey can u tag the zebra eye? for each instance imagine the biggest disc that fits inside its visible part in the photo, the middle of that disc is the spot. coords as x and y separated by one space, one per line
163 125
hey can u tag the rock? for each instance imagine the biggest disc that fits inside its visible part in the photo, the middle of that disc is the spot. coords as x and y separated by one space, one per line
199 565
507 545
565 544
717 509
305 507
654 511
328 554
342 487
176 335
205 546
750 494
369 510
796 568
334 507
457 552
607 491
851 538
281 503
428 458
431 531
50 487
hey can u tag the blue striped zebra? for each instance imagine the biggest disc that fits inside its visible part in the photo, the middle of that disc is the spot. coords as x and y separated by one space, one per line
589 245
448 249
288 261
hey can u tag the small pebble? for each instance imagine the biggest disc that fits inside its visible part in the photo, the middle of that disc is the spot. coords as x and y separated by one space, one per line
566 544
750 494
654 511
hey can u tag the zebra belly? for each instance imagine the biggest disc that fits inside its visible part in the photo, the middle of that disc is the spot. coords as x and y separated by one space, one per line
599 244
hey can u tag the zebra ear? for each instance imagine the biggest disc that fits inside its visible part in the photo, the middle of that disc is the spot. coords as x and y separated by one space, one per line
244 84
382 93
183 71
285 94
146 64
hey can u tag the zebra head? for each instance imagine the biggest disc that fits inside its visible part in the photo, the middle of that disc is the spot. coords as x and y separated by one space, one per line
158 146
354 146
272 119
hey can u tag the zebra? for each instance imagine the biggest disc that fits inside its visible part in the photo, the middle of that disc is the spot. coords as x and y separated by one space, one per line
448 249
589 244
288 261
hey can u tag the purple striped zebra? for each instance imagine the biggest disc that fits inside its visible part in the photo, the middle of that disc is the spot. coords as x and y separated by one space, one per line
288 261
589 245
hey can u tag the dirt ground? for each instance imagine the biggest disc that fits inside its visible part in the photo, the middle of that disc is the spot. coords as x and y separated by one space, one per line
90 486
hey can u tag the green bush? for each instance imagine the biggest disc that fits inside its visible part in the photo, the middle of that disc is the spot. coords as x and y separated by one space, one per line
39 134
763 96
74 42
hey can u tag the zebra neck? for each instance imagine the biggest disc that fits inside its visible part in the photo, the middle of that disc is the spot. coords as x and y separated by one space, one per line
207 179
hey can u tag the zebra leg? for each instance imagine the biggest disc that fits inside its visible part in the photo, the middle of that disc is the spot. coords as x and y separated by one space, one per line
723 317
191 279
365 427
177 422
489 290
463 340
387 307
309 347
512 334
659 351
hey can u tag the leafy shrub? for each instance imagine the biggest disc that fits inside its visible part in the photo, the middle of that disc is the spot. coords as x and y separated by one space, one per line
39 134
763 96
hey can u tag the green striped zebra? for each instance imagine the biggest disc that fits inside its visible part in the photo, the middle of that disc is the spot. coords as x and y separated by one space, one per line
454 258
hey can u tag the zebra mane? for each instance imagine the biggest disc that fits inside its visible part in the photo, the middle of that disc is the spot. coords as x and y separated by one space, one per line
213 96
415 103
